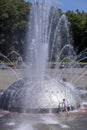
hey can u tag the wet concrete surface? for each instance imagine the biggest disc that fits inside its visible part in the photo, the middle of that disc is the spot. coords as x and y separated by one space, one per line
26 121
42 122
75 120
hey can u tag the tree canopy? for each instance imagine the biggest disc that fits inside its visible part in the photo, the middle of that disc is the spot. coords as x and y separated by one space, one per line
79 28
14 20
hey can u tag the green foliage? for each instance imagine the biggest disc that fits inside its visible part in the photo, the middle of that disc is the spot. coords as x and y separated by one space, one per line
79 28
13 23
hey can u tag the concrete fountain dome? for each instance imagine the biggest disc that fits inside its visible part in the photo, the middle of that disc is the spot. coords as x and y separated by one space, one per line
49 94
41 97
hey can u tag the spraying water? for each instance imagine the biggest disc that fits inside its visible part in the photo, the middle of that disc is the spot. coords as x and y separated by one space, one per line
49 39
45 39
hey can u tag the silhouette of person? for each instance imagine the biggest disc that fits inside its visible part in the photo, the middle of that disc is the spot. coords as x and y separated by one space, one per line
65 106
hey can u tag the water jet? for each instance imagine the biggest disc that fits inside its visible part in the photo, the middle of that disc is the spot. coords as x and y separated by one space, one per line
48 39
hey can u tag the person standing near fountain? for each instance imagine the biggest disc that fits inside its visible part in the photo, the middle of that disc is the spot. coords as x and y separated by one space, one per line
65 106
19 61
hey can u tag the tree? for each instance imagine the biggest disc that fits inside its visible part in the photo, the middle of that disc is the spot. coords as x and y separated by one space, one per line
79 28
13 24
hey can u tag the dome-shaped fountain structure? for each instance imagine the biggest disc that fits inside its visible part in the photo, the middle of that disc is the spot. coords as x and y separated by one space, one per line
42 97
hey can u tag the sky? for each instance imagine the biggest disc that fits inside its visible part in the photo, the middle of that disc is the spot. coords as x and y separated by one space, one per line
72 5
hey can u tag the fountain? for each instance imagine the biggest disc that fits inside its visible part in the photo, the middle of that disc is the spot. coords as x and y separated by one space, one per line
52 74
48 40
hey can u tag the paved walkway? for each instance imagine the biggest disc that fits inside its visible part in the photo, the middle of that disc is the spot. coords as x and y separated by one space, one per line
9 76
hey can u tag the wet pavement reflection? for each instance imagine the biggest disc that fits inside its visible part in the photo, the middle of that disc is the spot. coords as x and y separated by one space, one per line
15 121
